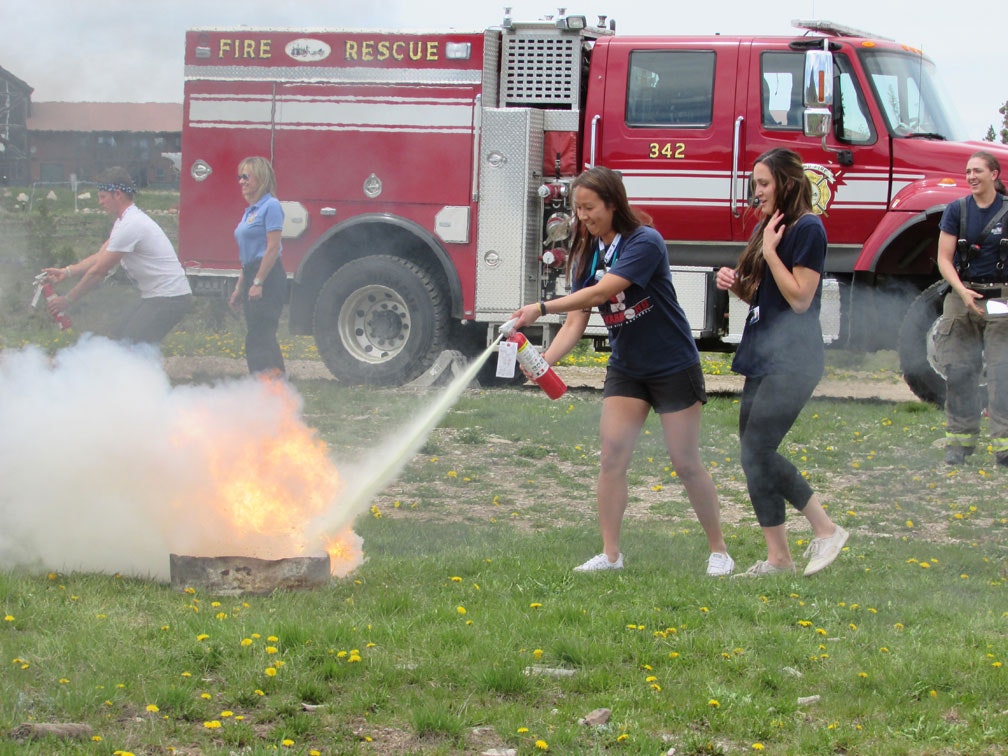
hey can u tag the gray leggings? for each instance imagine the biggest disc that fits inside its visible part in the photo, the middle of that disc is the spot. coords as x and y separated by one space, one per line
769 407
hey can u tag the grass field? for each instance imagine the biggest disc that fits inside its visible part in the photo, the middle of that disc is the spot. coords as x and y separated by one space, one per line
465 630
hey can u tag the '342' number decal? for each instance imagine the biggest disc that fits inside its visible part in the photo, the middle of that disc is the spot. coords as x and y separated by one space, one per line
675 151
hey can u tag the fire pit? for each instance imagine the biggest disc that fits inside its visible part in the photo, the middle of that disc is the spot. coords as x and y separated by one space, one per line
237 575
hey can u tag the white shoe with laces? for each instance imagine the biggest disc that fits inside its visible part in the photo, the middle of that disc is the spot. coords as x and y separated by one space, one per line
822 551
600 562
720 565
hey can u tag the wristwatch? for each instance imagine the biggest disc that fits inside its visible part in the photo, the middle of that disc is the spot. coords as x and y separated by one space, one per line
256 282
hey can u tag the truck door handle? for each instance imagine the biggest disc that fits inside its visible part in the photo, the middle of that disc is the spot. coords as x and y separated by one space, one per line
736 157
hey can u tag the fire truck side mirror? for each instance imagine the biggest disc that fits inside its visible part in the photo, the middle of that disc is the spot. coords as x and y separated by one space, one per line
817 122
818 79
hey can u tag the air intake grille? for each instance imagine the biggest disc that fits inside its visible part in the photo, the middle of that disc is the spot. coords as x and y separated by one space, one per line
541 69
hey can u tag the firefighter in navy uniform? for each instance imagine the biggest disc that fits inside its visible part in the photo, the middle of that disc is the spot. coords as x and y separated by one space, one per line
973 259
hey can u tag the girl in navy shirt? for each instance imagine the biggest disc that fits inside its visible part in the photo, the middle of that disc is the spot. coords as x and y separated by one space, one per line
781 355
620 265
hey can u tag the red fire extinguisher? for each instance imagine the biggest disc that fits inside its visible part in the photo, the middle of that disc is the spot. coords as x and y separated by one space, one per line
537 367
45 289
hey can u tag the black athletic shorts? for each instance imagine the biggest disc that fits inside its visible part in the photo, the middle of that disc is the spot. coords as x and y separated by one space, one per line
669 393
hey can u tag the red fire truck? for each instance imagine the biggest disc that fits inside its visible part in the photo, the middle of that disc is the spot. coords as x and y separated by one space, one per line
425 176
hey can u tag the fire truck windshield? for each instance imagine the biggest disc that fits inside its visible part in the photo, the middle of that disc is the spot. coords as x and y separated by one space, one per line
911 96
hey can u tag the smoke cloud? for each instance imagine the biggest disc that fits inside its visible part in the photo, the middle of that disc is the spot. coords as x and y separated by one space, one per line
107 467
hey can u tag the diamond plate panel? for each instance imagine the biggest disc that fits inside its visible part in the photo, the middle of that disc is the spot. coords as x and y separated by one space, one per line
510 213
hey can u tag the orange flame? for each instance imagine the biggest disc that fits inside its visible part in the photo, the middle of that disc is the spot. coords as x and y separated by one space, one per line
267 479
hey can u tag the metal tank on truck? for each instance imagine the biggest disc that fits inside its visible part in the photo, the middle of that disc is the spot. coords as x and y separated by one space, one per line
425 175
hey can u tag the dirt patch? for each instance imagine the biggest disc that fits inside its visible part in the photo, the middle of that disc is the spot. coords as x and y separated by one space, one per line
860 385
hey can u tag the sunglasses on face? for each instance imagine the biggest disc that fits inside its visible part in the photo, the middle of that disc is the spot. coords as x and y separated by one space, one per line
243 177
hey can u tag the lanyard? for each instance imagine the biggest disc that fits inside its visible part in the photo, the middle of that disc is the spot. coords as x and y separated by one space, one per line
610 257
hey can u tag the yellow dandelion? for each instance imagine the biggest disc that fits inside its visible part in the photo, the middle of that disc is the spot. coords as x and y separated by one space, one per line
542 745
456 579
714 703
270 671
152 708
535 605
213 724
460 609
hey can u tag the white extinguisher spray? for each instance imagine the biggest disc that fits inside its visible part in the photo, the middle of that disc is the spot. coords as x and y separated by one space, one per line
534 364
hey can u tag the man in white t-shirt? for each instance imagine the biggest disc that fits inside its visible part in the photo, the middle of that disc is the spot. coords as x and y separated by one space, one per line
146 254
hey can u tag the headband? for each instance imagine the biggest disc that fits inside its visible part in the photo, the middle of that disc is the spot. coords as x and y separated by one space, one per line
124 188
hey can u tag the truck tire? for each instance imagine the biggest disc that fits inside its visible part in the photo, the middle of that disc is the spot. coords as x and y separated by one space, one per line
914 336
380 320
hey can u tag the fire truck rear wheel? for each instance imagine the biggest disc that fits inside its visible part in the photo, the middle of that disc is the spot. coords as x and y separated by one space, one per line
380 320
914 337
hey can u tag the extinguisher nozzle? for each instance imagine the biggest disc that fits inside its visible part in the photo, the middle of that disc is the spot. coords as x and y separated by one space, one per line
508 327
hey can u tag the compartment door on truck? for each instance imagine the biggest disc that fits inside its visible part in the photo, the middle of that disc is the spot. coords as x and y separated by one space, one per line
224 122
668 127
850 189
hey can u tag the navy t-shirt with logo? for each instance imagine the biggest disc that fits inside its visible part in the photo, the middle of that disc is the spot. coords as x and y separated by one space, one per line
648 330
776 339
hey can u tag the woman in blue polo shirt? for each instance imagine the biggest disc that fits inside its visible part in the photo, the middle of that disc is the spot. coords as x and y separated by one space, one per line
262 284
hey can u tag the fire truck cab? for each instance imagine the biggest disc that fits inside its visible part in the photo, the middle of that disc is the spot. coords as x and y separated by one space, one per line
425 175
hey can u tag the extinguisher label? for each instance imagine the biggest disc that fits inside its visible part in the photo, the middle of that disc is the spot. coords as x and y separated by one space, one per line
506 358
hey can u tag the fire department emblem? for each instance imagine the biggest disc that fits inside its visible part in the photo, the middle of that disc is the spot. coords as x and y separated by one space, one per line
822 179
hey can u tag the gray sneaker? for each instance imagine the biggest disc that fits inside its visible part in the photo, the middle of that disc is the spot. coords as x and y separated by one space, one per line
822 551
600 562
763 568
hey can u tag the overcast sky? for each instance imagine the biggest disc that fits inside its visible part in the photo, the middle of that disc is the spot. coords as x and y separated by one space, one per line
132 50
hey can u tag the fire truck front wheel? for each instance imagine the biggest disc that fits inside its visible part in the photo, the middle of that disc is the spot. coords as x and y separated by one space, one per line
914 344
380 320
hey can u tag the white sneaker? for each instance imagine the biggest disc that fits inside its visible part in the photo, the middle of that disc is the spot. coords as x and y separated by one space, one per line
600 562
720 565
764 568
822 551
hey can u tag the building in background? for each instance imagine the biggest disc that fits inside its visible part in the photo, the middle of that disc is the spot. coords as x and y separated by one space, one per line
78 140
15 103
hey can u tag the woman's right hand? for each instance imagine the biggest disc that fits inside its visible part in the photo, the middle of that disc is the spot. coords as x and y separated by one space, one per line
725 278
973 301
235 298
